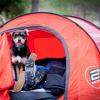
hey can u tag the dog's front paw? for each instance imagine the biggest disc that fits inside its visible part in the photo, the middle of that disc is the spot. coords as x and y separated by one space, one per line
14 59
19 59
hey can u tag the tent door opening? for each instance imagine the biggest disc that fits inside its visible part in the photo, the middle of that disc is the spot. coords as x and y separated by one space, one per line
46 43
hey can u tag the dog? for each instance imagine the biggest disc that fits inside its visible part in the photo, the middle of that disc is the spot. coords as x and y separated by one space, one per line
19 55
20 51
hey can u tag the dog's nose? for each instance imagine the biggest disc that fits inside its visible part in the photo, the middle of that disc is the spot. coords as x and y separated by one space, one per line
19 40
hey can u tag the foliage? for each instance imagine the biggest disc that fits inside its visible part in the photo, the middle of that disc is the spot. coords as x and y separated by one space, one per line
12 8
91 5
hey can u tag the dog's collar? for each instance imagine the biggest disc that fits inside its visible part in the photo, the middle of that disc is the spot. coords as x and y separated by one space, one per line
22 46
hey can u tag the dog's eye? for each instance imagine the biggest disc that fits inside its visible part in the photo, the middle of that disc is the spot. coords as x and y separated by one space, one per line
15 36
23 35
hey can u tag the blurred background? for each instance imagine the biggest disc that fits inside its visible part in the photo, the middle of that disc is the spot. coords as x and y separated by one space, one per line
86 9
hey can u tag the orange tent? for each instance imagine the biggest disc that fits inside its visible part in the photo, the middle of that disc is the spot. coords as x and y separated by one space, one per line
90 28
6 78
54 36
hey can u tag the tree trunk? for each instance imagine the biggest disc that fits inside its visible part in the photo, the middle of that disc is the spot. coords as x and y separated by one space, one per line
98 18
2 20
35 5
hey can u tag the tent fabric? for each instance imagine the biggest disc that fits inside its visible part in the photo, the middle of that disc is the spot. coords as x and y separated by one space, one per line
90 28
4 94
44 42
84 57
6 77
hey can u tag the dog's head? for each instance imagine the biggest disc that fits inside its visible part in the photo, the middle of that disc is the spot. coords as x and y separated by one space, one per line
19 38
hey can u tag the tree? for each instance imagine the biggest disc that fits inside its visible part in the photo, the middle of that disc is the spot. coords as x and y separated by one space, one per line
12 8
2 20
35 5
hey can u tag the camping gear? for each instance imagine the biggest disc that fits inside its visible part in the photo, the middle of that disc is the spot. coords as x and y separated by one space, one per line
55 81
56 37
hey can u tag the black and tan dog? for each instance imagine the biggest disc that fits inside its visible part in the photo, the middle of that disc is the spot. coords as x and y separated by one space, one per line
20 53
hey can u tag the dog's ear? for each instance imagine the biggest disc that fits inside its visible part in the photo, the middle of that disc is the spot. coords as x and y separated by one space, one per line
12 33
27 32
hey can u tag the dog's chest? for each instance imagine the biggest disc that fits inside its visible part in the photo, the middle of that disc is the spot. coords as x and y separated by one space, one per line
22 52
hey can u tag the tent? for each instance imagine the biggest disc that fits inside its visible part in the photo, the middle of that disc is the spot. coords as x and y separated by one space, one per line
54 36
90 28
